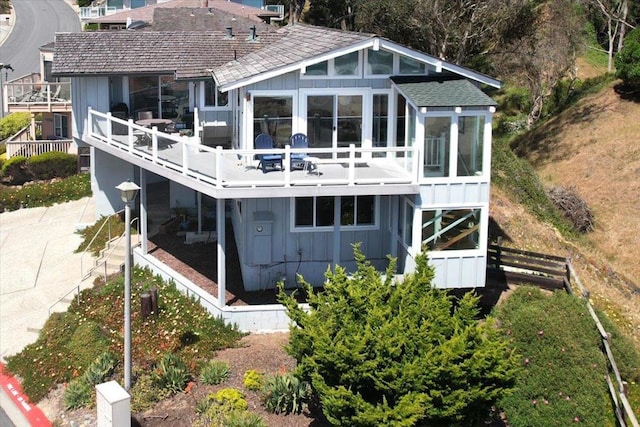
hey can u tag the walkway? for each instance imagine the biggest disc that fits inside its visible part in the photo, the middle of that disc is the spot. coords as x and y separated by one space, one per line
37 267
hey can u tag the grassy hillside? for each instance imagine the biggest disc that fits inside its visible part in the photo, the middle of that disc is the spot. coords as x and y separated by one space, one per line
594 147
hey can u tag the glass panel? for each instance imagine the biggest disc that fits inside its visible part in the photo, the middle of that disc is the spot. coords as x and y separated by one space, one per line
411 130
174 97
470 140
304 212
324 211
213 97
346 65
319 69
138 3
410 66
400 123
437 146
347 210
350 120
366 210
451 229
320 121
380 120
143 95
273 115
379 62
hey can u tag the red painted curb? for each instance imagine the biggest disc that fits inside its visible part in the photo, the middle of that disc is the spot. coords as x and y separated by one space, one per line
12 388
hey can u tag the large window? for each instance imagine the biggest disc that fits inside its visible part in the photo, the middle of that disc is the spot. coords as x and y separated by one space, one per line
273 115
470 139
319 212
345 66
451 229
437 146
380 121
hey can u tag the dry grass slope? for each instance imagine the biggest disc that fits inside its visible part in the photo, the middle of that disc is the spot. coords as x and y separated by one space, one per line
594 147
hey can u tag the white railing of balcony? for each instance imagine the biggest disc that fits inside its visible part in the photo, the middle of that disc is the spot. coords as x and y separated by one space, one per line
90 12
224 168
34 148
37 93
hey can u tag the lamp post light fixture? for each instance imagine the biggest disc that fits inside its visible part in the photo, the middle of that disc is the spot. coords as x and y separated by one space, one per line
128 192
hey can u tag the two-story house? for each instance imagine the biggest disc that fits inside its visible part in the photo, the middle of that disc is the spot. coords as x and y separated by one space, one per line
396 154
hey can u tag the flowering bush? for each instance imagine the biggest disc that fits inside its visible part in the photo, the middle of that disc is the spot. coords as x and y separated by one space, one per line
38 194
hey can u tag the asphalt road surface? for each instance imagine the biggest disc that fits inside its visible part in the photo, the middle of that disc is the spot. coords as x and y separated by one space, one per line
36 22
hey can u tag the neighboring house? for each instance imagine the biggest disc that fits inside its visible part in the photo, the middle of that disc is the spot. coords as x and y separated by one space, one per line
118 14
398 157
41 93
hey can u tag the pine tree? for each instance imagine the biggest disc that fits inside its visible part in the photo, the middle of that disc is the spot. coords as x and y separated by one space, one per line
380 352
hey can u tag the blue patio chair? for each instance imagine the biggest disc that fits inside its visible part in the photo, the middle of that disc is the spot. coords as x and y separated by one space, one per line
265 142
298 140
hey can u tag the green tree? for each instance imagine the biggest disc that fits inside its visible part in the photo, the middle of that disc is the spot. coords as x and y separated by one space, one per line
627 60
381 352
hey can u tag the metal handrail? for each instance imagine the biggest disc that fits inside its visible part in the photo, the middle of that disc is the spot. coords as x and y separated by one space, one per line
104 262
106 221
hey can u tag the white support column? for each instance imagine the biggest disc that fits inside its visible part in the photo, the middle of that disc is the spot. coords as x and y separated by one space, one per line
393 250
144 231
199 212
220 229
336 231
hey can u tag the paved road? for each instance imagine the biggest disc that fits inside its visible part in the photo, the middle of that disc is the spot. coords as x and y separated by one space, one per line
36 22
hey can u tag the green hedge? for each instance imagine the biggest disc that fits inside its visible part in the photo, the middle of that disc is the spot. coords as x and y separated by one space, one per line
53 164
16 170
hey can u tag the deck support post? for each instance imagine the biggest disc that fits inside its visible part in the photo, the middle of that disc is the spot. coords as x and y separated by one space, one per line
336 231
144 232
220 229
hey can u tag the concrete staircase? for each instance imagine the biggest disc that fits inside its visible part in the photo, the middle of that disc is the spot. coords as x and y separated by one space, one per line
111 258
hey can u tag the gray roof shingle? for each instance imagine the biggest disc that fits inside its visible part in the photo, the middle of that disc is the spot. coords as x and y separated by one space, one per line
299 42
188 54
425 91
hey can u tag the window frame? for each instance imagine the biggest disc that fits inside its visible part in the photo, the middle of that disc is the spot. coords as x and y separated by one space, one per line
331 70
202 98
328 228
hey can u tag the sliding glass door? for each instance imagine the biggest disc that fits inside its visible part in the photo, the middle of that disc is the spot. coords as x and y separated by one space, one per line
334 121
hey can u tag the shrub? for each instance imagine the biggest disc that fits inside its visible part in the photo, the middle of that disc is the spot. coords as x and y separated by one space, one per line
101 368
285 394
12 123
243 419
144 393
214 372
16 169
573 207
78 394
230 396
172 374
253 380
53 164
381 352
108 227
627 60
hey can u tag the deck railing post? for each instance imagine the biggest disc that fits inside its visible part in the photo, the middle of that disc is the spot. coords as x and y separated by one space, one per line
352 164
287 165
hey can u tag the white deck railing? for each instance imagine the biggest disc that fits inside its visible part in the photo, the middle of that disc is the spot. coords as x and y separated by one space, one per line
20 93
16 146
91 12
225 168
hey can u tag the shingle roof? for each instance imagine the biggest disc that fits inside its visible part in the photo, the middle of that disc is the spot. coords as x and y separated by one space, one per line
188 54
426 91
299 42
146 13
202 20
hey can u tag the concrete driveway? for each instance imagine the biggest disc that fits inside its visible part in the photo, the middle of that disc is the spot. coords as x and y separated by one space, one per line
38 266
